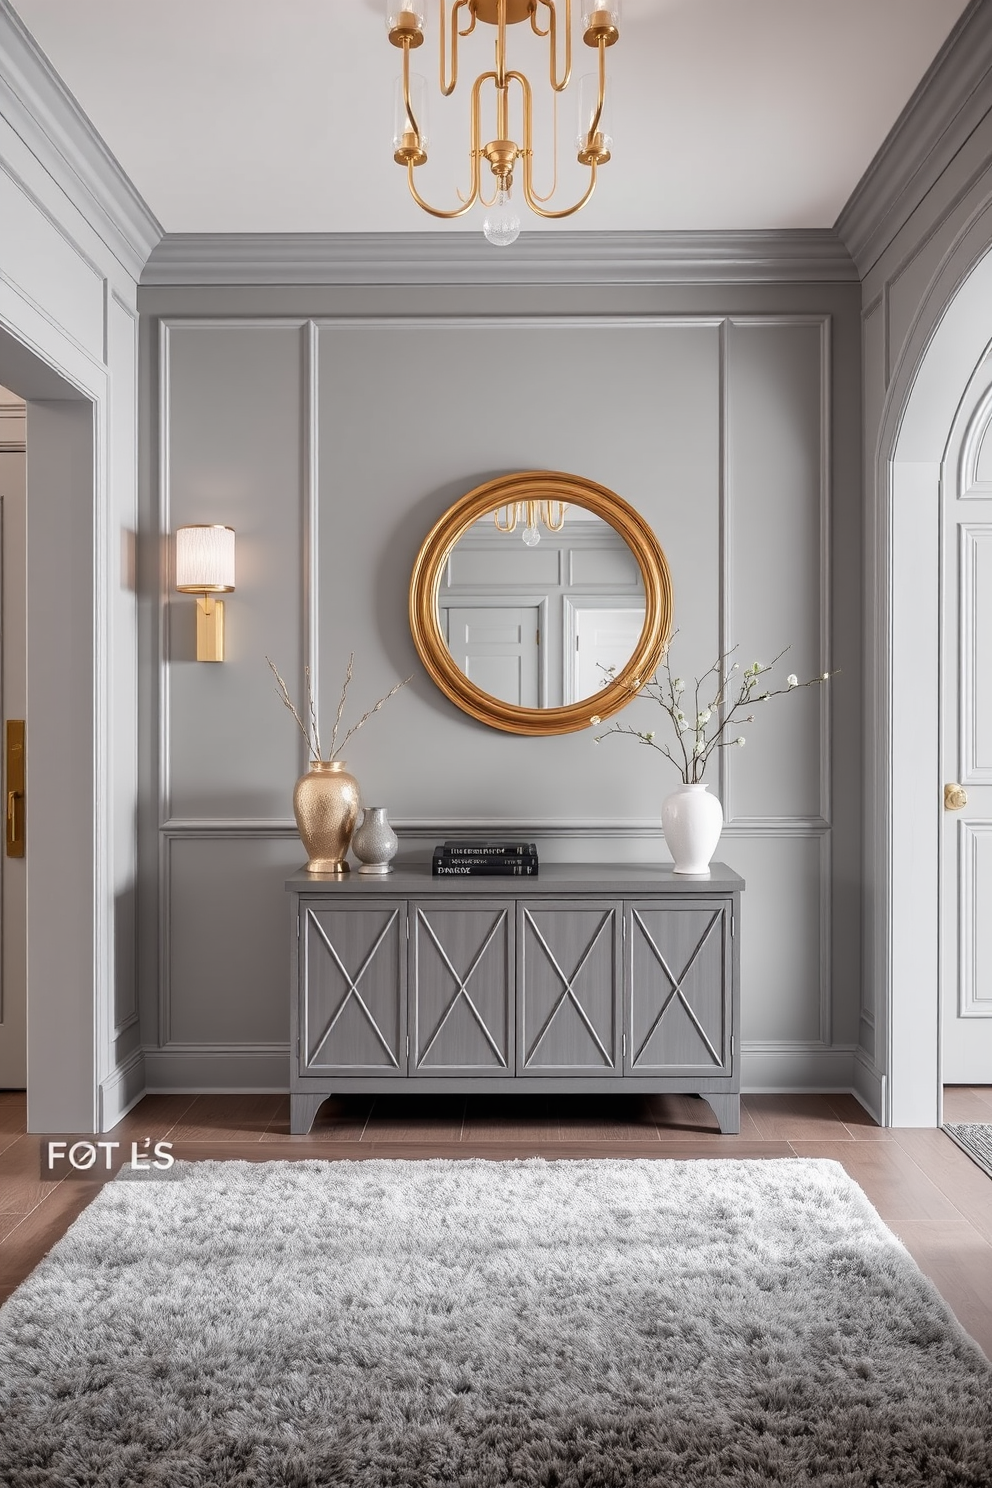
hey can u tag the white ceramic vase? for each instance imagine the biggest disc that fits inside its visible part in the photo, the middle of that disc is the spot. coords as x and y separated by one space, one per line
692 822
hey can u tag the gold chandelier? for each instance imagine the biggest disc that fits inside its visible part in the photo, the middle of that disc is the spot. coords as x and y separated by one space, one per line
548 18
551 513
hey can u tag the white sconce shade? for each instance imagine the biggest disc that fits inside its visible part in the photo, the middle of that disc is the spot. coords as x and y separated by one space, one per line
205 567
205 559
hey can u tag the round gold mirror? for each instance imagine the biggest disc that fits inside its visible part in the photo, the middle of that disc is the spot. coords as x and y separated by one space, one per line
540 601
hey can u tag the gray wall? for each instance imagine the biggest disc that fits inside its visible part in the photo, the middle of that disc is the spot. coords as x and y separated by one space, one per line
330 428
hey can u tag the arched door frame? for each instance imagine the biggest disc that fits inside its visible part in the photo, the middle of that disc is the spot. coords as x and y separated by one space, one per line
949 338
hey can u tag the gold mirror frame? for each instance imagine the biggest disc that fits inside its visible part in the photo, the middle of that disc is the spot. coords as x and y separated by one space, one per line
428 570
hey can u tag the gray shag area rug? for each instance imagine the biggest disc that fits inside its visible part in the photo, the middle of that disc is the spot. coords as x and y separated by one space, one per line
313 1325
975 1139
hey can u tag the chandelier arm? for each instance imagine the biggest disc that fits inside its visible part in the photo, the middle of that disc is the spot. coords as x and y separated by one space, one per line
559 87
471 25
476 155
533 17
594 126
501 48
447 88
436 211
554 158
411 116
534 202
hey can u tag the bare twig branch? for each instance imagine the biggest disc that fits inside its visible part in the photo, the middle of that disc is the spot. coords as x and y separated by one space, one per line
366 716
283 692
344 694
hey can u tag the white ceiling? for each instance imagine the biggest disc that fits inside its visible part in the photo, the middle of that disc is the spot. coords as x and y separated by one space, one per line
243 116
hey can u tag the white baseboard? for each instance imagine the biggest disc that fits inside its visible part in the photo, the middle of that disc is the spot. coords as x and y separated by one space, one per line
869 1086
264 1068
788 1069
121 1090
202 1069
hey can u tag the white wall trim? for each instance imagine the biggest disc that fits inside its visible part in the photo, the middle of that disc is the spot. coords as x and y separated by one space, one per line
201 1069
772 1067
120 1090
461 257
950 101
40 108
869 1085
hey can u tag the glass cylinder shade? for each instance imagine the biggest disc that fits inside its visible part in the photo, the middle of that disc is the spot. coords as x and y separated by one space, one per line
205 560
404 12
588 97
605 14
403 126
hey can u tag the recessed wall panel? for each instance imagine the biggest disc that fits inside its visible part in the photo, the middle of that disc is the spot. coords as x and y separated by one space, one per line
635 407
227 939
235 456
775 476
782 965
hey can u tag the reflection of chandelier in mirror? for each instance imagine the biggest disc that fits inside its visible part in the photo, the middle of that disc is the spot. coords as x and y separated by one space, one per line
548 18
551 513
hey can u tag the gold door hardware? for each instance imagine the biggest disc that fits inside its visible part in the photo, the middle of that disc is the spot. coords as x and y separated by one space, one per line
955 797
15 787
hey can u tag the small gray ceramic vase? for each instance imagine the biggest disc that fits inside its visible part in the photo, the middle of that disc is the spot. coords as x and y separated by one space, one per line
374 842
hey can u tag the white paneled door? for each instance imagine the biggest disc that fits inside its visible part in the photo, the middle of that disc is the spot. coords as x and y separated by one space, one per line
966 962
498 647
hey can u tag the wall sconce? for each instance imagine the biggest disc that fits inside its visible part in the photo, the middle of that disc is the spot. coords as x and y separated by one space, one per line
205 567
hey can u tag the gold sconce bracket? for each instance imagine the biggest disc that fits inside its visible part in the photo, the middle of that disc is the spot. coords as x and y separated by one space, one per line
209 628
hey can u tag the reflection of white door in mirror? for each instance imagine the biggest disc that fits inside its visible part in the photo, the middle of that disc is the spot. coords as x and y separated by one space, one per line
498 647
596 639
492 581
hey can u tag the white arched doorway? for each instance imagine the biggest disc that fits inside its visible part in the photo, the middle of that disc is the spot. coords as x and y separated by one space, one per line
950 337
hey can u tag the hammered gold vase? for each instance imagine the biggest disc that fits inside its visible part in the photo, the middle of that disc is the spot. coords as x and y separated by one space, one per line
325 804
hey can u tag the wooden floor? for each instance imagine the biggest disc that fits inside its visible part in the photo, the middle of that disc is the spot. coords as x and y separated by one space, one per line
926 1189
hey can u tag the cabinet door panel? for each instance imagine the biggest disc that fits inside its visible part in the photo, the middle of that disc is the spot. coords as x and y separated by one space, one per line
353 975
568 986
461 967
680 985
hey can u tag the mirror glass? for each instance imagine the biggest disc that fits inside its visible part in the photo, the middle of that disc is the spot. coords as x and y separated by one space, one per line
538 600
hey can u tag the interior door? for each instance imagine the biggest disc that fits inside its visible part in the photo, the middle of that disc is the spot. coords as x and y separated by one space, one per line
498 648
600 639
966 721
13 903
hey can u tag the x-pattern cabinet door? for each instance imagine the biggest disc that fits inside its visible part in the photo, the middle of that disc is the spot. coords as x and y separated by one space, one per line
569 959
680 988
353 973
461 978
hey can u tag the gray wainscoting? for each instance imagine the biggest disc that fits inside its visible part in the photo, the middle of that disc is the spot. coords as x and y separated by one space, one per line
331 442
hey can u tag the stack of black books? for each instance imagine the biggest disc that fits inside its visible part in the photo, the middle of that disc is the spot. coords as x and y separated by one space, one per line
481 859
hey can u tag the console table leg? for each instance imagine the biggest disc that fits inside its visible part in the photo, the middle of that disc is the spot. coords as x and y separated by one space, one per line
302 1111
727 1110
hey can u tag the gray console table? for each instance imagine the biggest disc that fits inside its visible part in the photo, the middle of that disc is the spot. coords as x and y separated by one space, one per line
586 977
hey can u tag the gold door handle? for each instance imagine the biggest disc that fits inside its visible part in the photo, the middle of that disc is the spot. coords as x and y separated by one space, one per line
15 787
955 797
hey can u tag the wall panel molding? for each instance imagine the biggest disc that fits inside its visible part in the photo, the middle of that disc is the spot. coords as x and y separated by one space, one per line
461 257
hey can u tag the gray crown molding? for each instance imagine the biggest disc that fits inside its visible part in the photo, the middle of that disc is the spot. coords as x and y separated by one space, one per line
950 101
458 257
39 107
